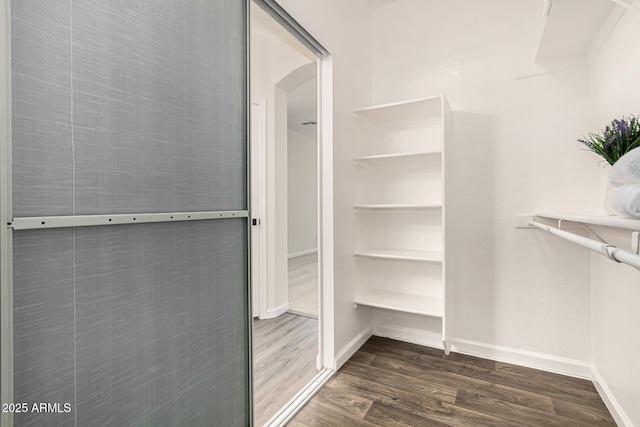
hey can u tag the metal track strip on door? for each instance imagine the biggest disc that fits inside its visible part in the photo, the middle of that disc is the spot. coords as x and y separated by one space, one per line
31 223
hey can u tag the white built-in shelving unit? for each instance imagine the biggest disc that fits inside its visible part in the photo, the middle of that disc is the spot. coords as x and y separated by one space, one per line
401 209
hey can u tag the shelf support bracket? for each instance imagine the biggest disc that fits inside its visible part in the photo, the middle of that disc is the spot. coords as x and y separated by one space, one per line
609 251
522 220
635 242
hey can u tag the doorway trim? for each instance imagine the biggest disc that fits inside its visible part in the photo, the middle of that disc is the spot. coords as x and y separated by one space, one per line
258 138
326 325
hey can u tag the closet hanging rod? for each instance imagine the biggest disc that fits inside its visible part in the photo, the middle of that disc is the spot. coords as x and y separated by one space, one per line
612 252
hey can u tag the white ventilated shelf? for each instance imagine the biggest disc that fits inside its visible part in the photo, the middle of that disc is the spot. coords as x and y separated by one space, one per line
605 220
398 301
400 206
401 254
381 158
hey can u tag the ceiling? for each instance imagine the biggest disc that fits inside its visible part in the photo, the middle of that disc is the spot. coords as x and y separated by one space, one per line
571 27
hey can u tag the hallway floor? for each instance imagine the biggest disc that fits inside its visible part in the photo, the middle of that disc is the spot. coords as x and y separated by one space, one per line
392 383
284 360
303 285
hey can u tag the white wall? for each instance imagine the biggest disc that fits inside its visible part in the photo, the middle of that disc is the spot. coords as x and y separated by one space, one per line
614 92
514 151
302 158
272 59
344 28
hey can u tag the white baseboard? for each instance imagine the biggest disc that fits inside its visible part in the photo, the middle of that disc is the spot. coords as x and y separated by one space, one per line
544 362
303 253
414 336
351 348
609 399
275 312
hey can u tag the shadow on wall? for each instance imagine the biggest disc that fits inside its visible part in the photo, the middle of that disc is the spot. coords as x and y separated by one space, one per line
472 208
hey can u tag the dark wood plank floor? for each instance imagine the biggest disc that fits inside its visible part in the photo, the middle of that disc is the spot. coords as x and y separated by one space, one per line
392 383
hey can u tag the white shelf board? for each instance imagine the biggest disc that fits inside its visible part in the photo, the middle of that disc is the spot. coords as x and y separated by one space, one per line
402 111
605 220
401 254
382 157
407 303
399 206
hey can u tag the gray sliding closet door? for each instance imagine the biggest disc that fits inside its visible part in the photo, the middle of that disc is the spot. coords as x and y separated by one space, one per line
130 107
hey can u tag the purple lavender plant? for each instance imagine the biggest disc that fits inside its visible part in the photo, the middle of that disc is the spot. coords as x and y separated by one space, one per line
615 140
